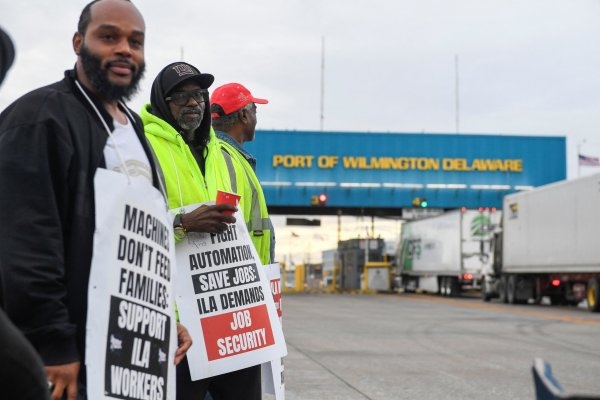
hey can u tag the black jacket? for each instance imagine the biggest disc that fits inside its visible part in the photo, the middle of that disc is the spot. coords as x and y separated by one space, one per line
22 374
51 143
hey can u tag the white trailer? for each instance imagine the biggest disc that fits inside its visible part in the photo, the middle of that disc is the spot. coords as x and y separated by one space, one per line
549 245
447 253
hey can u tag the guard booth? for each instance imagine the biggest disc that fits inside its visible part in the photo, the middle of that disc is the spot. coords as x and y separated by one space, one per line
377 276
353 255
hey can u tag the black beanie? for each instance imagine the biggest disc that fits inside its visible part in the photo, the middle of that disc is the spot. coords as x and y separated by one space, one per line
7 54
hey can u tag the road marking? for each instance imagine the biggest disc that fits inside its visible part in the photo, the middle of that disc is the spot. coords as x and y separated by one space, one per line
500 308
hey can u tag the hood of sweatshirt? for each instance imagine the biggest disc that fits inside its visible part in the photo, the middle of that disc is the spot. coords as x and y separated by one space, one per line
156 126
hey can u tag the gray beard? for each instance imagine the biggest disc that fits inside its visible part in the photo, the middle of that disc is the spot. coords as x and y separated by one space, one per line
189 126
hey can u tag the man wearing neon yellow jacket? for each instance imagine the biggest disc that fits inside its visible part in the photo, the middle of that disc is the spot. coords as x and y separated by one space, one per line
180 134
178 126
233 112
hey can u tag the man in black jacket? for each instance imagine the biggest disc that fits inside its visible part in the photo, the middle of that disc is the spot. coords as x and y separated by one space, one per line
52 142
22 374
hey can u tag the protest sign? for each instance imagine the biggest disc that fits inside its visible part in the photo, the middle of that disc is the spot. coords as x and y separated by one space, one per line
131 332
272 372
225 301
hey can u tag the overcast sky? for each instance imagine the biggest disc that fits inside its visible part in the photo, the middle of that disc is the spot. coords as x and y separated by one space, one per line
526 67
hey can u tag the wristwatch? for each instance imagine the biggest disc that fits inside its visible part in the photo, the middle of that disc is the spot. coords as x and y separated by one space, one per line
178 228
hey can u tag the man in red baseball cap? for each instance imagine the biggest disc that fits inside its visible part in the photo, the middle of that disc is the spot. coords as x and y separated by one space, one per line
233 111
228 102
232 97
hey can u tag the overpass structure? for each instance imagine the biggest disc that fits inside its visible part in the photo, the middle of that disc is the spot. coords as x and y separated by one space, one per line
381 174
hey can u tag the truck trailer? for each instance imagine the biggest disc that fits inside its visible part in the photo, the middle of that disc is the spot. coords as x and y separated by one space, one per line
548 245
447 253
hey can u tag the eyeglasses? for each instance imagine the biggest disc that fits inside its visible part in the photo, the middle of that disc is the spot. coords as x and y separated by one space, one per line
182 98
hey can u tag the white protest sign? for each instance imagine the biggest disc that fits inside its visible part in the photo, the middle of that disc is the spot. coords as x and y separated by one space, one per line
131 335
224 300
272 371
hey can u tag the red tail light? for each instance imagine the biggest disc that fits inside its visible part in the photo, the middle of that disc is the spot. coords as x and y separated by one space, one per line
555 282
467 277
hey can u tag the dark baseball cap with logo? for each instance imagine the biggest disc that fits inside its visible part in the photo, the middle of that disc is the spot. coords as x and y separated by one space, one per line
176 73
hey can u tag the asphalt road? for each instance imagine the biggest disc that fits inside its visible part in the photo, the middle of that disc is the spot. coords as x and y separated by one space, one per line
417 346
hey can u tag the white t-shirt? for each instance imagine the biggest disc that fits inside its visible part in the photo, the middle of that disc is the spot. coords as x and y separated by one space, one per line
124 143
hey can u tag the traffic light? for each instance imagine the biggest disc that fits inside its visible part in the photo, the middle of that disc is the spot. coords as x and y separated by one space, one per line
322 199
420 202
319 200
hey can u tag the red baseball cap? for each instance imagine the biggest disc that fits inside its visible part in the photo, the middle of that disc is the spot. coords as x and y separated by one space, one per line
232 97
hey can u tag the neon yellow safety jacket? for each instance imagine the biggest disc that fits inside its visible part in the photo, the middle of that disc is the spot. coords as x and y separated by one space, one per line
185 183
244 182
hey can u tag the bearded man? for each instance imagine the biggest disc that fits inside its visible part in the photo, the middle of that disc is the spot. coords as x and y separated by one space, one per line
54 143
178 126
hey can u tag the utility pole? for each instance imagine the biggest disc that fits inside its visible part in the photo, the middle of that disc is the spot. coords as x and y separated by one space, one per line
322 82
457 93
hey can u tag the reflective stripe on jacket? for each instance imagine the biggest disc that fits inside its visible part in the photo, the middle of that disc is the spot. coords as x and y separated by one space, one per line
254 207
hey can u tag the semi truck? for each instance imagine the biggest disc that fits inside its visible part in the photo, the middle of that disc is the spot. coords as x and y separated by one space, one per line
447 253
548 245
